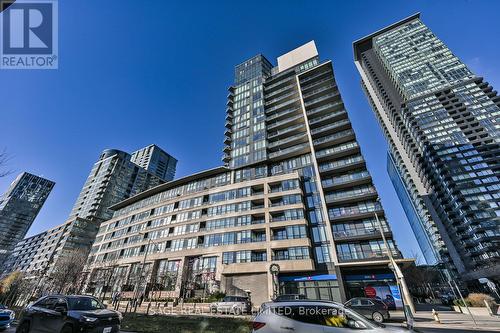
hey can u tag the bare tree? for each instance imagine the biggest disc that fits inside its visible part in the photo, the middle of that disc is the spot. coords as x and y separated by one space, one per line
67 271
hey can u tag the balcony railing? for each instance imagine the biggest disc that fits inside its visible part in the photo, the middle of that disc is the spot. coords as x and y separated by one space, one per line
332 115
333 137
322 108
315 91
285 130
282 113
342 163
289 150
284 121
359 255
287 140
279 106
348 211
337 149
322 98
330 126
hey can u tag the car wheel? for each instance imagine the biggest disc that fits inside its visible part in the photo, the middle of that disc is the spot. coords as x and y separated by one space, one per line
24 328
67 329
377 317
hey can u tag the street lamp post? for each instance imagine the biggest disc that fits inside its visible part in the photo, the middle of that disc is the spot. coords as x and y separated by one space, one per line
397 271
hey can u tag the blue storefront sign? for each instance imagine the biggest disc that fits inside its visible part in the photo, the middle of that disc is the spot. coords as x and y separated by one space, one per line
324 277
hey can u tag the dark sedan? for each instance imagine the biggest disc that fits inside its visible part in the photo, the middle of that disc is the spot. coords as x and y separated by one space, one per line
69 314
369 307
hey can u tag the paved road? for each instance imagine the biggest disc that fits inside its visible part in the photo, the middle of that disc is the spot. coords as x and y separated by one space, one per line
451 322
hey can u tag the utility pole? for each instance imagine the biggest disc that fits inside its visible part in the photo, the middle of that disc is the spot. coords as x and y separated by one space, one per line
397 271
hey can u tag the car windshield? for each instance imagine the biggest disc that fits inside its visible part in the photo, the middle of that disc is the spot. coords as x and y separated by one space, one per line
81 303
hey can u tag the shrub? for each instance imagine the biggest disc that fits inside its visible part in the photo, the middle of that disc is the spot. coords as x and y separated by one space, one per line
477 299
458 302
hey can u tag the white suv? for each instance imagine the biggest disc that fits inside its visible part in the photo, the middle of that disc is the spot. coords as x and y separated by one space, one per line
232 304
313 317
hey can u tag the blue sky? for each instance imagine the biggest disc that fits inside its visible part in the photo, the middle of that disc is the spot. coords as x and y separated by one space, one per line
133 73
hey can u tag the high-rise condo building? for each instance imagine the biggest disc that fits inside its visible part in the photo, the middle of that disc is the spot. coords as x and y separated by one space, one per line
113 178
19 207
294 192
155 160
441 122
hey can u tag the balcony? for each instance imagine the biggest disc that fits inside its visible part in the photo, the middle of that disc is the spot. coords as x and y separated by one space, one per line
341 213
281 98
316 84
285 131
285 122
279 83
342 165
360 255
310 78
276 92
350 234
350 196
282 105
227 139
283 113
289 141
342 124
350 179
334 116
291 151
327 108
337 151
336 138
318 90
321 99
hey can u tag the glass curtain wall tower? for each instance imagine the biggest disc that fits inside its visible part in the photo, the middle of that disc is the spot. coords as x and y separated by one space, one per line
442 125
19 207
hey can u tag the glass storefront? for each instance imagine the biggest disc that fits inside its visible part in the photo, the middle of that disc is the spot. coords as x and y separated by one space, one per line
379 286
321 287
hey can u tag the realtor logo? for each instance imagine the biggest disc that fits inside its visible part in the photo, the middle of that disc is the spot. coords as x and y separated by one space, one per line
28 34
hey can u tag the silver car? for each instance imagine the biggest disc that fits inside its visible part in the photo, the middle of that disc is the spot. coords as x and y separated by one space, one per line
233 305
313 317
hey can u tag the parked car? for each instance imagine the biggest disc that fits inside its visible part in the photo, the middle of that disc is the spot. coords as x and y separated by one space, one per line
232 304
370 308
69 314
313 317
289 297
6 317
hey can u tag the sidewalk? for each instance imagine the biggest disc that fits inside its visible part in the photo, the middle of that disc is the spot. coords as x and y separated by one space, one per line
450 322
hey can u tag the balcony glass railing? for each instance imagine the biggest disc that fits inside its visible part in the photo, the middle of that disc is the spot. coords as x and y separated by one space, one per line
335 114
282 97
289 150
282 113
341 163
330 126
280 82
284 121
315 91
333 137
358 255
324 107
308 79
279 106
315 83
322 98
350 194
337 149
347 211
356 232
285 130
287 140
345 178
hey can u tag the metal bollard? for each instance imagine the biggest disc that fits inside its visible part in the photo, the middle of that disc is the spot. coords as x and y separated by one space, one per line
435 314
